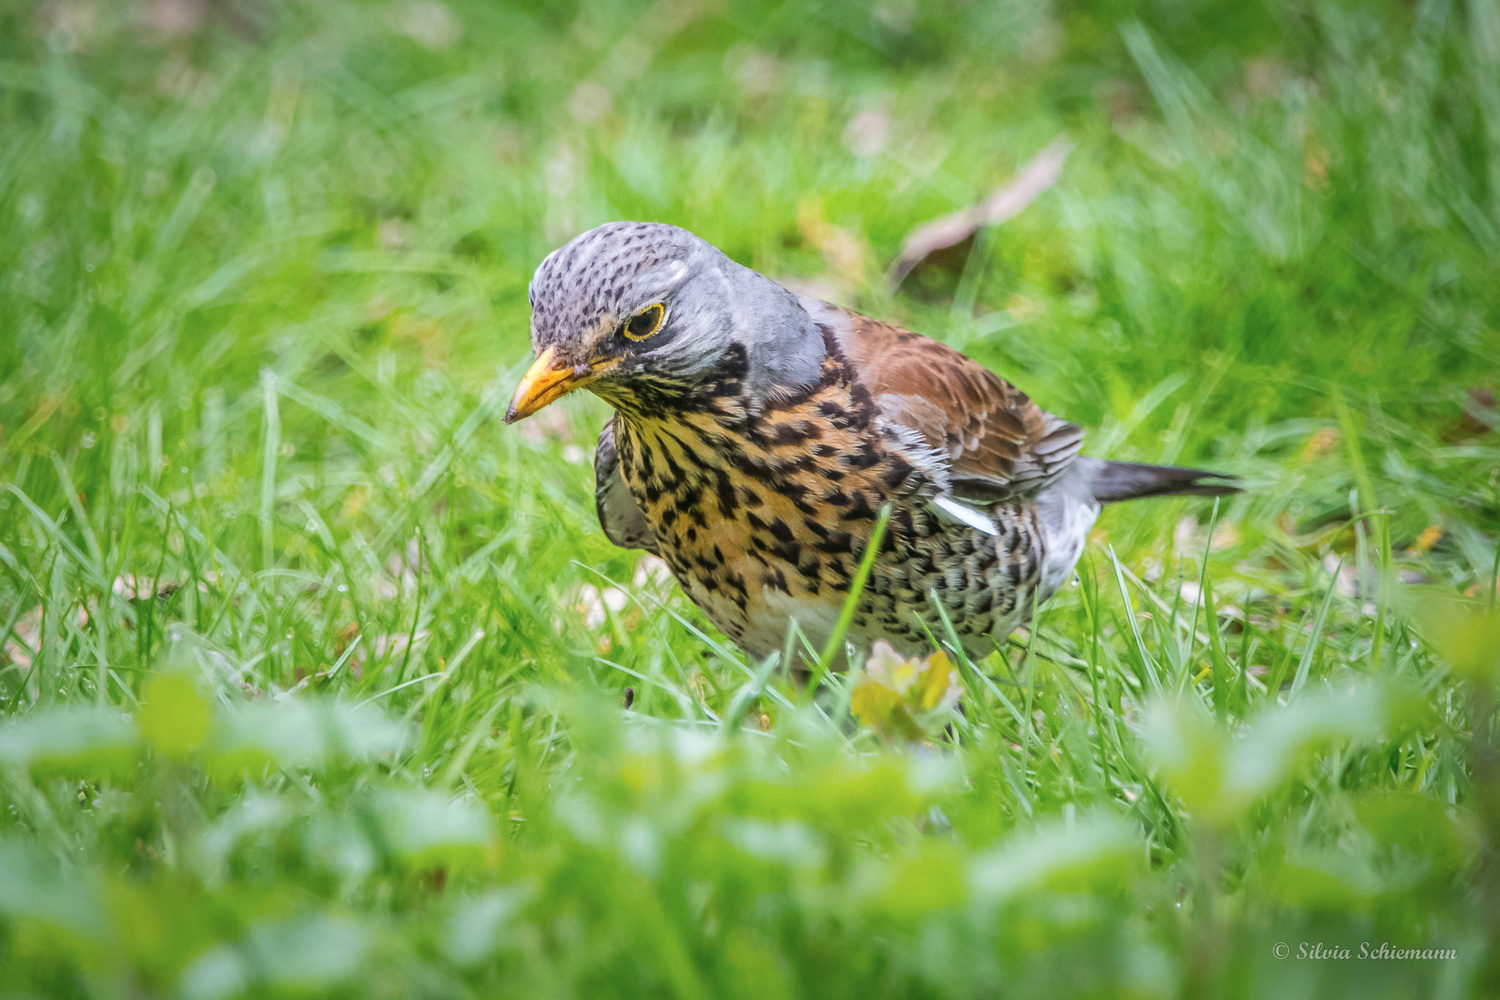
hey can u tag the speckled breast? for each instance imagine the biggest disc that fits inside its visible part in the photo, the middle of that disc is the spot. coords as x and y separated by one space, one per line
764 517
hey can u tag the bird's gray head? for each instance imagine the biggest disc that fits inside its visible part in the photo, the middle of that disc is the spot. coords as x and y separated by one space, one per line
645 313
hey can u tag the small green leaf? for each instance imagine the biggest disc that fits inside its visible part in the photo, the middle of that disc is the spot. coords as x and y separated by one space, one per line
89 741
33 888
426 827
1218 778
1095 851
1191 753
300 733
174 716
473 932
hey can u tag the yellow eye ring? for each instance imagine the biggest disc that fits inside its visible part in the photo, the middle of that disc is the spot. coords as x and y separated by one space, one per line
644 323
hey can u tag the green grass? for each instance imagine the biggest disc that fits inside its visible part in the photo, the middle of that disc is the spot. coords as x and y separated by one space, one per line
312 672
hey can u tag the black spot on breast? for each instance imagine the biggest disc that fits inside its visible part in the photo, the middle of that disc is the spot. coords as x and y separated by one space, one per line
859 508
741 461
793 432
734 581
896 472
724 491
837 542
775 579
805 506
793 490
863 457
674 471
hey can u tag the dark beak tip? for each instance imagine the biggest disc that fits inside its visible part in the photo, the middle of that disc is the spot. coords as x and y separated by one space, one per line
511 416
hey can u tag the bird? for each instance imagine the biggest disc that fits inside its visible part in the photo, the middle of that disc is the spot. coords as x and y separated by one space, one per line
759 437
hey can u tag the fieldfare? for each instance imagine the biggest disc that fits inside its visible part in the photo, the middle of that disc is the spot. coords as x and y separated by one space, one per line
758 434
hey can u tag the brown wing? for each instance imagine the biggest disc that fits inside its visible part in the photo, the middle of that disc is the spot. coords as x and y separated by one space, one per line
998 442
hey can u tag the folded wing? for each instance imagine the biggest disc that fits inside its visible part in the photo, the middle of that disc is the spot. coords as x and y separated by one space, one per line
998 442
619 514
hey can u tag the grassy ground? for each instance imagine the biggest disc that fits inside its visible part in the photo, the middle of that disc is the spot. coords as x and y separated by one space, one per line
313 672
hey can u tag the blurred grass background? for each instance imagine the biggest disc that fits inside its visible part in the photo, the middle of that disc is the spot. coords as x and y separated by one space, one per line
312 672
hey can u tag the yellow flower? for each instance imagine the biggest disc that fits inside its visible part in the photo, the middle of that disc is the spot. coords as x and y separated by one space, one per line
939 681
872 703
896 691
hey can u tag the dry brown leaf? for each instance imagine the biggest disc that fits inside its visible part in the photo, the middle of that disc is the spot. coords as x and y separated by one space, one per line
1479 417
1003 203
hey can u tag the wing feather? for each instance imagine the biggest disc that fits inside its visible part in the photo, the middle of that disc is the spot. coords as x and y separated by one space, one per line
997 441
619 515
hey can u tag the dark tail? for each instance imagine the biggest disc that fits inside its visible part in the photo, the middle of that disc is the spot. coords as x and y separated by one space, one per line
1115 481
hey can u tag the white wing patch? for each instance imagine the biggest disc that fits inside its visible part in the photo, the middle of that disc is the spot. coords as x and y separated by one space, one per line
965 514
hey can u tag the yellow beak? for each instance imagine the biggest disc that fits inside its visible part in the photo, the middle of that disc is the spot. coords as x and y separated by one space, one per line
545 382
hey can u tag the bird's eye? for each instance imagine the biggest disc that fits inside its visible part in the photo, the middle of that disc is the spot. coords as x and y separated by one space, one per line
644 323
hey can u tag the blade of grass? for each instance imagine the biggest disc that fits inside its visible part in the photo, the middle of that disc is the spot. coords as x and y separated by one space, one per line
1147 664
851 602
1304 665
270 447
